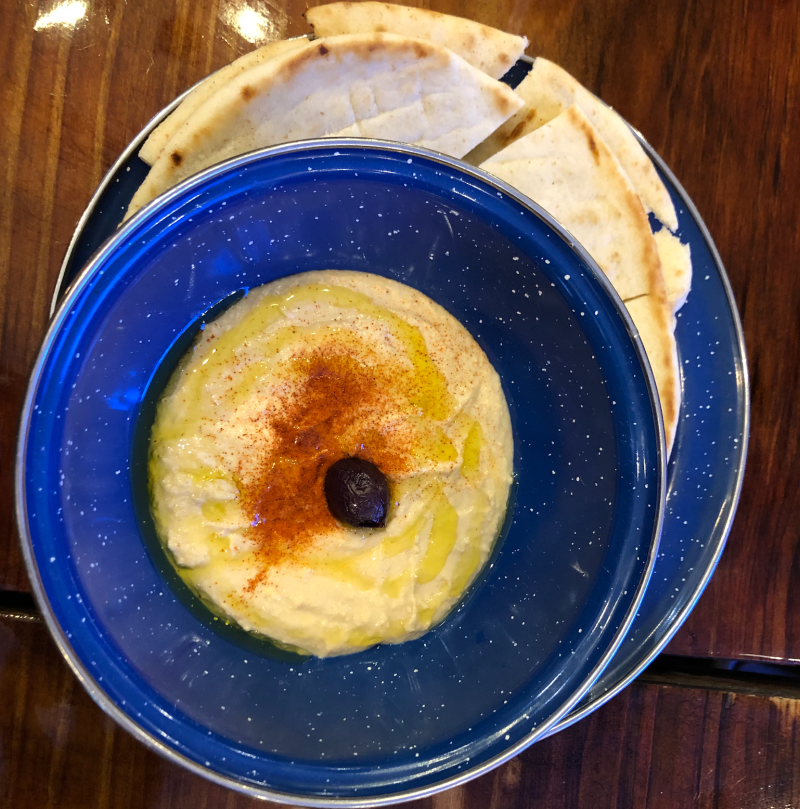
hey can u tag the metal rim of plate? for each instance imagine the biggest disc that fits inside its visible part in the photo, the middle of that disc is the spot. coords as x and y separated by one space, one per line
744 388
111 708
681 615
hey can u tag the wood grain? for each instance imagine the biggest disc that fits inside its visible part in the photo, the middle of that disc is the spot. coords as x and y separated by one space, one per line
713 86
658 746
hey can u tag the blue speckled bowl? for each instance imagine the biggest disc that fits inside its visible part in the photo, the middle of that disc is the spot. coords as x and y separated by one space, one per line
532 634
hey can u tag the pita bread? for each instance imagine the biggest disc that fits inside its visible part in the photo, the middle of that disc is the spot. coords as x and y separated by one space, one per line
492 51
676 262
159 137
654 321
547 91
361 85
568 169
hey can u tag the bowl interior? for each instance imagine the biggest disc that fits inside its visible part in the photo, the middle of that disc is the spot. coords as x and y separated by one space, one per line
580 535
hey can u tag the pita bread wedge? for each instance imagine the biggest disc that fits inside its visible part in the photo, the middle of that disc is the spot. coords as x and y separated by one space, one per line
653 319
548 90
205 89
570 171
492 51
676 262
361 85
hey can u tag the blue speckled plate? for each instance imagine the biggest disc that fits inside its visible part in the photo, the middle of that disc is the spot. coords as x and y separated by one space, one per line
706 468
707 465
530 636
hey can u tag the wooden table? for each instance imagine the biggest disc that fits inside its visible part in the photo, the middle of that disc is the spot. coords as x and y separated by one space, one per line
714 87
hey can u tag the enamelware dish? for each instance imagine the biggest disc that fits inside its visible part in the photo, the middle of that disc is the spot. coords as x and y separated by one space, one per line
706 468
569 570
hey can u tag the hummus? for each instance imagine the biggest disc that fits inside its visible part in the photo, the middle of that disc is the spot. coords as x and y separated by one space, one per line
301 373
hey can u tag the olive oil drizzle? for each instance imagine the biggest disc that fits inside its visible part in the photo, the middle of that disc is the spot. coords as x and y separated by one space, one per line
425 388
426 385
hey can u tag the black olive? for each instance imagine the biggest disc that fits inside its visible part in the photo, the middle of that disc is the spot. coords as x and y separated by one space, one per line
357 493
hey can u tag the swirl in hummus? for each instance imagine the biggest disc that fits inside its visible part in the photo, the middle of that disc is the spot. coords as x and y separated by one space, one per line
301 373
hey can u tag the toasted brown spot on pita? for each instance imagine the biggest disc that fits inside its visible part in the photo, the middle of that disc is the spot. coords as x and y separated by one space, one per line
420 49
381 29
580 121
503 101
177 158
247 92
668 406
323 51
635 297
650 256
519 129
593 149
296 63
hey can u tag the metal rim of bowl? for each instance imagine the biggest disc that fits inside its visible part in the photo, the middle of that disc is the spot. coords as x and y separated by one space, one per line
79 669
